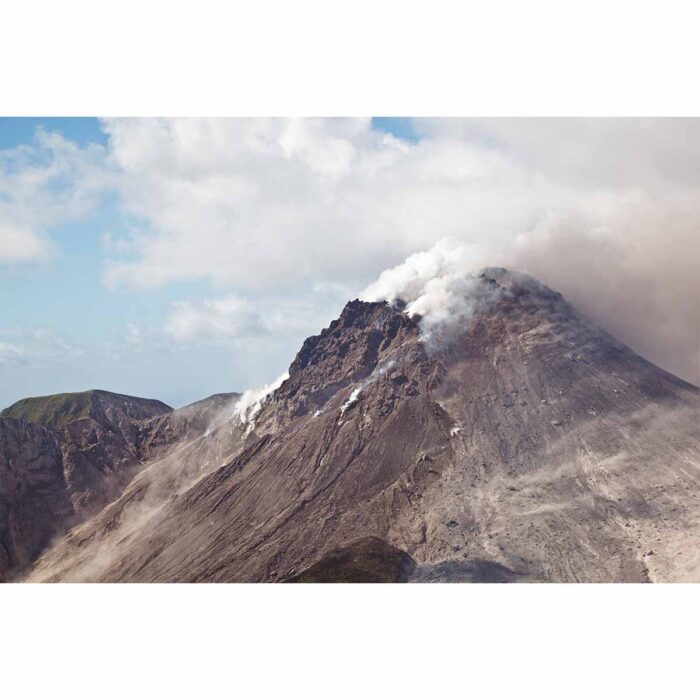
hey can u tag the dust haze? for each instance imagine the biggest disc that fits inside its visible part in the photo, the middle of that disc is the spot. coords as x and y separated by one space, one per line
638 279
641 285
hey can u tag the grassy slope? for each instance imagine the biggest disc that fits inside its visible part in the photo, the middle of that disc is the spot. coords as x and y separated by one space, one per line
61 409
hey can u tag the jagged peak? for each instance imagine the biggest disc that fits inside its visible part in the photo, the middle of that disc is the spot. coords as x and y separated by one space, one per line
356 317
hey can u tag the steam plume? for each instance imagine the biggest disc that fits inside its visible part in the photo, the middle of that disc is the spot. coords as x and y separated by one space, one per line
645 294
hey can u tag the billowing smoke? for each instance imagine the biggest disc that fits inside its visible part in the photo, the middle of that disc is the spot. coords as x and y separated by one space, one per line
640 286
438 284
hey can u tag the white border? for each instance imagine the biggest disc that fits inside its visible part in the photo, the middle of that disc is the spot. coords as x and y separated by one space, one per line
324 57
329 58
351 641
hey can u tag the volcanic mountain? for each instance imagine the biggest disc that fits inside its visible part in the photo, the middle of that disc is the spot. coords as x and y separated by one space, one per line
517 442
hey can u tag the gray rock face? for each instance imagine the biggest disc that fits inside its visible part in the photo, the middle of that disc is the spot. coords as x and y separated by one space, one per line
527 445
89 447
33 492
78 454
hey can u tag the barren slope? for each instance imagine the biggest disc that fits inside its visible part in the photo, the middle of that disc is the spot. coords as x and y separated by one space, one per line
528 445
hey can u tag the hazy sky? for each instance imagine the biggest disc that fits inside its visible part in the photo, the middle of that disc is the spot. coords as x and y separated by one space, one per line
178 258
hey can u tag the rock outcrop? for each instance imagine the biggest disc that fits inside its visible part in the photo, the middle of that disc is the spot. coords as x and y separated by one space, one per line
62 458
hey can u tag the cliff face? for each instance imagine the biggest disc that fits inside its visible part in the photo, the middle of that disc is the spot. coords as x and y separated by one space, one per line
32 492
524 444
62 458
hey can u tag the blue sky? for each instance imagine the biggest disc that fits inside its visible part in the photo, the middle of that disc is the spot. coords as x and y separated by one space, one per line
82 130
66 296
15 131
176 258
401 127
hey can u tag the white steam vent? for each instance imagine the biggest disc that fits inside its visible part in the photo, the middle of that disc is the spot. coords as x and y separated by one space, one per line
352 399
440 284
252 400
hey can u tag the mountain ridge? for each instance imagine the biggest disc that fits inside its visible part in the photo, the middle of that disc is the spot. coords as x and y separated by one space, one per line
58 410
78 455
517 441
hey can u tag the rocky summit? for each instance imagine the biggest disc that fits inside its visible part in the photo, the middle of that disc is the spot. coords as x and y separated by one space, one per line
521 443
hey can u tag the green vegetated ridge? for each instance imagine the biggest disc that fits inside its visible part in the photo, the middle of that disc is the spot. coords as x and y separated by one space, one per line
58 410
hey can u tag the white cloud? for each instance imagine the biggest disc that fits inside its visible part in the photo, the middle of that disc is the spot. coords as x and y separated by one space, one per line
277 207
588 153
275 204
10 354
46 183
279 214
228 317
234 318
263 204
19 244
33 346
260 204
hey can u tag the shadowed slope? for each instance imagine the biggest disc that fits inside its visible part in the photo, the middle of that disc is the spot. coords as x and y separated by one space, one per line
368 560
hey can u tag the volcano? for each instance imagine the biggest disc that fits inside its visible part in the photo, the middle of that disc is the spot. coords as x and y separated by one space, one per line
518 442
